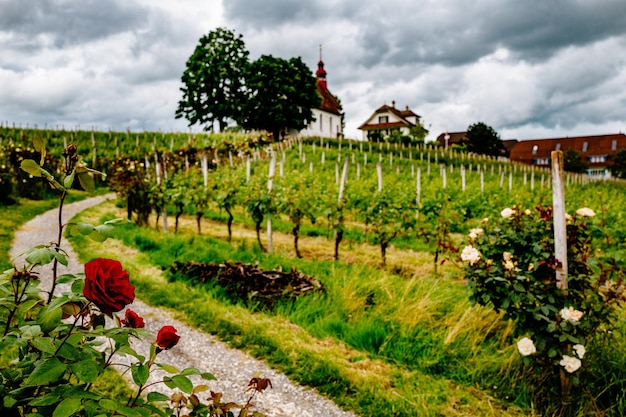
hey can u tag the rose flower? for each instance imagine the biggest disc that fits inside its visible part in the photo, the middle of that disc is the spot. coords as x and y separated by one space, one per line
107 285
132 320
167 338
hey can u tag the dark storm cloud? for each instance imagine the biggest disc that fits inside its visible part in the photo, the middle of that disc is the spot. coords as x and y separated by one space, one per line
66 22
450 33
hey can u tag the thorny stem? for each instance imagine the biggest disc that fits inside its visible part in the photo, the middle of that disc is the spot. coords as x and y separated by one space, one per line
69 332
17 298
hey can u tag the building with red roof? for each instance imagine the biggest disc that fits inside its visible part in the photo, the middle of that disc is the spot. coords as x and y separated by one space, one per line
387 120
328 116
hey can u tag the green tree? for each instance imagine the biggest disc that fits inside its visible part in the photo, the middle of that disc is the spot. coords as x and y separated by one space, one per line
619 164
482 139
573 162
280 95
213 80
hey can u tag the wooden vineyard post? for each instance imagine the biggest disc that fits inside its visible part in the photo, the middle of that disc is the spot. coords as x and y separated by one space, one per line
379 174
558 214
270 180
248 169
205 169
338 233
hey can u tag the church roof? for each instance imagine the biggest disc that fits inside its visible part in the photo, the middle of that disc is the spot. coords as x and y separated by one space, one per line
329 102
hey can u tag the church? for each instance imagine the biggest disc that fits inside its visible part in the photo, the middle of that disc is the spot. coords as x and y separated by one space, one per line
328 115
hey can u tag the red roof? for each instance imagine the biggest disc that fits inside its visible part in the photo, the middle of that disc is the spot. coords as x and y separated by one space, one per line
592 149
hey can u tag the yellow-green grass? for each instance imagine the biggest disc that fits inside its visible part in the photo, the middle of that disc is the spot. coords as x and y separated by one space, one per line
358 373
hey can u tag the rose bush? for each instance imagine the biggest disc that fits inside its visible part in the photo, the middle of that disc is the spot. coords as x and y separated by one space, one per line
54 351
510 265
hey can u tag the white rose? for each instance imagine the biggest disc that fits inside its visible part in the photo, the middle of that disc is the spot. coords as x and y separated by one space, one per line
507 212
570 363
579 350
585 212
526 346
569 314
475 233
470 254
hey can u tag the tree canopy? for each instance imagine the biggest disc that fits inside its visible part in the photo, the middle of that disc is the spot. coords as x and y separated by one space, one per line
619 164
483 139
280 95
213 80
573 162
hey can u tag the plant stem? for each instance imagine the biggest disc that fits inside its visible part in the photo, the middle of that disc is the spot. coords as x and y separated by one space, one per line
55 263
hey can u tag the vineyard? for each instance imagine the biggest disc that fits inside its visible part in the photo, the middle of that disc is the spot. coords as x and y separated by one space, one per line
197 198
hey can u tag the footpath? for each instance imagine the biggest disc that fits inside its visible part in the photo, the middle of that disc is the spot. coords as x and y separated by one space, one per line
232 368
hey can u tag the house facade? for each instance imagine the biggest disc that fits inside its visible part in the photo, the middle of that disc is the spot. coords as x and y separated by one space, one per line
387 120
596 151
328 116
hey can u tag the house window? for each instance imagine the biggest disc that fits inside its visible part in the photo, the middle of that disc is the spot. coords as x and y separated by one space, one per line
558 147
535 149
542 161
614 145
585 144
597 159
383 119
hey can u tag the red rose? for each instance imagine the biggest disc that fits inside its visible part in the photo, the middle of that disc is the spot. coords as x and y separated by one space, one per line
167 338
107 285
132 320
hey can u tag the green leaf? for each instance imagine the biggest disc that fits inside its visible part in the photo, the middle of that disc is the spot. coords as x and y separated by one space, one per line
39 144
44 400
39 255
85 228
9 401
78 286
45 344
67 407
30 331
157 396
129 412
140 374
46 371
49 318
87 370
190 371
183 383
109 404
207 376
87 182
69 180
32 168
168 368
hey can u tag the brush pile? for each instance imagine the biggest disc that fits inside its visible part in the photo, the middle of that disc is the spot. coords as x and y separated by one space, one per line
247 282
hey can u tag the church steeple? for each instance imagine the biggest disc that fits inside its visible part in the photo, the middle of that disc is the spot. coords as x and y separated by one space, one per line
321 72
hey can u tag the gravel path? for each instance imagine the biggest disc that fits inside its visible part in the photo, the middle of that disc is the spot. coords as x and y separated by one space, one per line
232 368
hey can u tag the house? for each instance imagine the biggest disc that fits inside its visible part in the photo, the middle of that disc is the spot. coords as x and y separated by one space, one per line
596 151
387 120
328 116
451 139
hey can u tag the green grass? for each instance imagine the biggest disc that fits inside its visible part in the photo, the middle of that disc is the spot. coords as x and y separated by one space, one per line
376 343
13 216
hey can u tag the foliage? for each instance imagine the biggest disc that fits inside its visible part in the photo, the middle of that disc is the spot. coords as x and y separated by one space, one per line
619 164
510 264
573 161
213 80
55 350
484 140
280 95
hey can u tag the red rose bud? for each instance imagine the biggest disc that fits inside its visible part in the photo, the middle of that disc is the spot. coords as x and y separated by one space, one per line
107 285
132 320
167 338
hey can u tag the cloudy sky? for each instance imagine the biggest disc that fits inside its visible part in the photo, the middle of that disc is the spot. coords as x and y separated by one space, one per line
529 69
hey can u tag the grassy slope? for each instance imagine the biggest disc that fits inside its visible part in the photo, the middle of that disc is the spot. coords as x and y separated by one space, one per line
423 375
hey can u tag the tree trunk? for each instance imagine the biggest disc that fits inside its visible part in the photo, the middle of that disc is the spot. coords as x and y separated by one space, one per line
383 251
199 216
230 223
338 238
296 235
258 235
178 214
